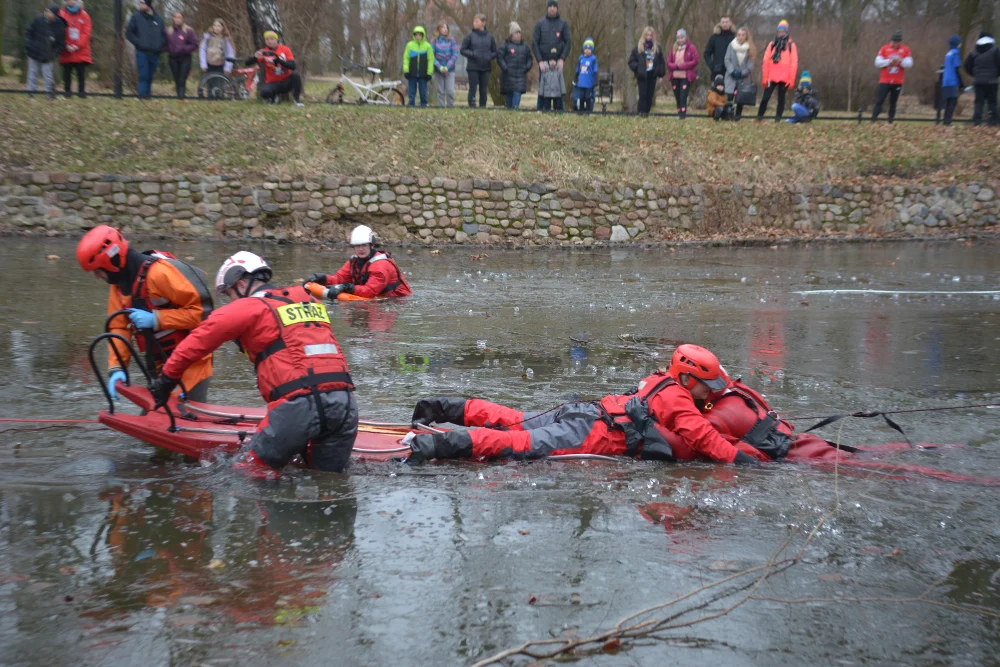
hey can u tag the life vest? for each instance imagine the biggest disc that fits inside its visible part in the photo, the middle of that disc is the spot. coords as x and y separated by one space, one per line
160 344
612 409
306 353
743 413
359 272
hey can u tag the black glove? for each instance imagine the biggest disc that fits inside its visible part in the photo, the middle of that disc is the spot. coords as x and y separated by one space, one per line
744 459
638 411
161 388
422 448
338 288
318 278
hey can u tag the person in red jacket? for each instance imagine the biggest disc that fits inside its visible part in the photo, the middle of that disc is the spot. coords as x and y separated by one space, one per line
301 370
779 67
659 420
280 76
892 60
76 56
369 273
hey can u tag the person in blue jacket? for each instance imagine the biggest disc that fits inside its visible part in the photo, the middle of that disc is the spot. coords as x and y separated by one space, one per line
586 78
951 77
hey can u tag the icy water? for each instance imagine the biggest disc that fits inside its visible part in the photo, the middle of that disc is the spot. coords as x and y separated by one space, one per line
114 554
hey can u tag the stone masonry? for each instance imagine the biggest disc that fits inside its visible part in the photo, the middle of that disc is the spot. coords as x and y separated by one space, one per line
442 210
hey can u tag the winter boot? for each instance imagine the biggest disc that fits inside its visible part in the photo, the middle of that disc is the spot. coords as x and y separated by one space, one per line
450 445
450 410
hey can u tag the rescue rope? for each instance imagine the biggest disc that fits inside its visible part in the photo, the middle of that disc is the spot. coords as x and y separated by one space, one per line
875 413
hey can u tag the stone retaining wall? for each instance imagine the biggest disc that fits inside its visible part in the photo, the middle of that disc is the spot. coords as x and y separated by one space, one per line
441 210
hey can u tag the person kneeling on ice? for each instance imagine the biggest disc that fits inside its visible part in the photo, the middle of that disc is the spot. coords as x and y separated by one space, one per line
659 420
806 105
165 299
369 273
301 370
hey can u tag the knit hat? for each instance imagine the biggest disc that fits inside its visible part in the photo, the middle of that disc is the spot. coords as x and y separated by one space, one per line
514 27
806 79
783 25
552 3
54 8
589 42
954 41
718 80
146 2
682 33
270 33
897 36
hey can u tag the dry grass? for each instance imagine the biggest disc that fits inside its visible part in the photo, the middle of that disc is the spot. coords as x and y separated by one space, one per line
129 136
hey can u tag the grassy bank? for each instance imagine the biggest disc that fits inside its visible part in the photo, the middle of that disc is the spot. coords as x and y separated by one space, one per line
106 135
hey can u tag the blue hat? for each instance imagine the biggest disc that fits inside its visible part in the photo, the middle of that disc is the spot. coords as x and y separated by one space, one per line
806 79
954 41
589 42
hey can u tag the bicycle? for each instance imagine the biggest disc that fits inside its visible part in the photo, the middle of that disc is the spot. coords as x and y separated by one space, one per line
376 91
239 84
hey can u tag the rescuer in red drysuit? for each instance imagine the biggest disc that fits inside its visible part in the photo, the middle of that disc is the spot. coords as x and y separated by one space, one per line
660 420
369 273
301 370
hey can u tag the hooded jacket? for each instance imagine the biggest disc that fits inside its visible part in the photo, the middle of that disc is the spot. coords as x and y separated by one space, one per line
418 58
551 39
181 42
586 71
78 31
983 62
785 69
806 96
44 39
715 50
146 32
445 52
479 48
736 72
515 62
690 64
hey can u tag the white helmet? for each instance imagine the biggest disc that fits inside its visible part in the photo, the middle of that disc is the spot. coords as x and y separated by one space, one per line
362 235
239 266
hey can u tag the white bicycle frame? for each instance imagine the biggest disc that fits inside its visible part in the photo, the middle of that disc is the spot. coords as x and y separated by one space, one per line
371 94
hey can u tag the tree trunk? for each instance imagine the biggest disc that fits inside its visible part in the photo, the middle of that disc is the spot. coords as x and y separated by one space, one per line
3 22
263 16
627 86
968 13
354 29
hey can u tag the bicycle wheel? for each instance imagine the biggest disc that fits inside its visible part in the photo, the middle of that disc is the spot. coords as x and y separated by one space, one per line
216 86
392 97
336 95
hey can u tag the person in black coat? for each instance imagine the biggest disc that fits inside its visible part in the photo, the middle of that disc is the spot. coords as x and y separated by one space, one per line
983 64
648 65
718 43
44 40
515 61
147 33
479 49
551 40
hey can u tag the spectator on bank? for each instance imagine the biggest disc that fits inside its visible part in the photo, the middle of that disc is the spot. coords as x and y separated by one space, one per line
716 103
951 77
718 44
741 54
76 56
43 42
181 43
418 66
216 47
586 78
893 60
551 41
779 65
983 65
479 49
515 61
145 31
682 64
648 65
279 66
806 105
445 57
552 87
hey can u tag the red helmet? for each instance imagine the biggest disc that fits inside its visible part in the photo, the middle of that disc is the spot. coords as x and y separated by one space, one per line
102 247
700 365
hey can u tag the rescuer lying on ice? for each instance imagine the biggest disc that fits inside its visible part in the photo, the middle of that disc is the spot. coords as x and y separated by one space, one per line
301 370
667 417
369 273
166 299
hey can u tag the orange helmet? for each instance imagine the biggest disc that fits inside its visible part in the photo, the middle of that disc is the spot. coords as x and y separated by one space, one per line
700 365
102 247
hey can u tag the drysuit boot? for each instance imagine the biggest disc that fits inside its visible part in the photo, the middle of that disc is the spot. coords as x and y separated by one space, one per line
440 410
450 445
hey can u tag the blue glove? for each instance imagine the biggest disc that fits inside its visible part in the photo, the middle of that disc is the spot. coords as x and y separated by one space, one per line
113 380
142 319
